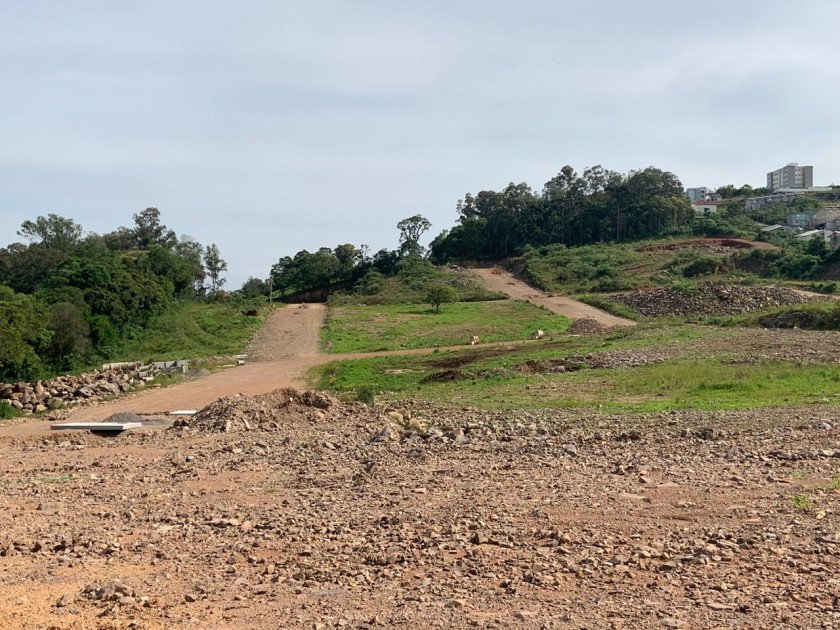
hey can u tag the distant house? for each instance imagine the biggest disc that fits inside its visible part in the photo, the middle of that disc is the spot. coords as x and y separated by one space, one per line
705 207
827 217
829 236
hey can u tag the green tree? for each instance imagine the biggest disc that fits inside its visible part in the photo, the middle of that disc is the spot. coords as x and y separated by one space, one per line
215 266
150 231
23 331
70 338
439 293
348 257
254 287
191 250
52 231
411 229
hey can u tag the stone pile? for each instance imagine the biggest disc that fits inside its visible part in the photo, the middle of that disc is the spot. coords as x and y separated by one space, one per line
586 325
40 396
267 411
708 298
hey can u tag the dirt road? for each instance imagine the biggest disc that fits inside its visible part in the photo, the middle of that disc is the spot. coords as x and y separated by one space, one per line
498 279
288 332
280 354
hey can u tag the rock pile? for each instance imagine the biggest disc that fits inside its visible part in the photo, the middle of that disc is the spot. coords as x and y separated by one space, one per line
586 325
40 396
708 298
247 413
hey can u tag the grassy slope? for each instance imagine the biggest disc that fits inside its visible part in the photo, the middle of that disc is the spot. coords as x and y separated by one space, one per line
615 267
191 331
402 326
679 383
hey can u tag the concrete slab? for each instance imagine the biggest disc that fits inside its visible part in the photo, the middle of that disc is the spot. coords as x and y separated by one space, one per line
183 412
104 427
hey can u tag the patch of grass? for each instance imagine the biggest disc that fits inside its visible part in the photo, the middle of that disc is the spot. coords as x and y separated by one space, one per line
802 502
605 304
834 485
56 478
410 282
490 378
193 330
7 411
403 326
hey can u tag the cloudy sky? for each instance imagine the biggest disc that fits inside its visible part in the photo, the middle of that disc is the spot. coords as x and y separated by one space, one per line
268 127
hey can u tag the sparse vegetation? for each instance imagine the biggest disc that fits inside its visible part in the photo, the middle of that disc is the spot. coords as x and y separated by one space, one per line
802 502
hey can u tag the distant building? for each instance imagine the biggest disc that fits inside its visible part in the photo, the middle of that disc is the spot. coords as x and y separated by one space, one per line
803 220
829 236
705 207
754 203
791 176
696 194
827 217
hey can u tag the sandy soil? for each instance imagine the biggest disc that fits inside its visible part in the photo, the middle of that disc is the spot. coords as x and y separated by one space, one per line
444 519
498 279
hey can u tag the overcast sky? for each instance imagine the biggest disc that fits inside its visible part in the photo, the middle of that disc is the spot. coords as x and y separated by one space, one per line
269 127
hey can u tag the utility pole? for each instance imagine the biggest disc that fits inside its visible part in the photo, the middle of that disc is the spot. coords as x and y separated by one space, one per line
270 292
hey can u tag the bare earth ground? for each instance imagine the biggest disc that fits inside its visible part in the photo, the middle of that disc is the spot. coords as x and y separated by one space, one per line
454 518
288 332
498 279
463 520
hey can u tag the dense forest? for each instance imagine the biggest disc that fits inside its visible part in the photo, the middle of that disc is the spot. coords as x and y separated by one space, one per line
598 206
68 298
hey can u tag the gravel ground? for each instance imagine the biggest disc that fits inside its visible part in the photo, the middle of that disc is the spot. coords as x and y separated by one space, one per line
288 331
417 516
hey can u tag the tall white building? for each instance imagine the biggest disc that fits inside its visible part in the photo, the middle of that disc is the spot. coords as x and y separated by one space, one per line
791 176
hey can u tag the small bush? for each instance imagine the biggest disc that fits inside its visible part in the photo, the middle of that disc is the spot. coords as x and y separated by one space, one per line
802 502
7 411
371 283
824 287
366 394
704 266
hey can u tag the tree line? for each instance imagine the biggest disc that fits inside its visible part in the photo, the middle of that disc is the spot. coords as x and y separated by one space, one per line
598 206
68 298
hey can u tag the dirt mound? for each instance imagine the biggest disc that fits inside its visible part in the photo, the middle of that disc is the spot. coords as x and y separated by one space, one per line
708 298
586 325
445 375
249 413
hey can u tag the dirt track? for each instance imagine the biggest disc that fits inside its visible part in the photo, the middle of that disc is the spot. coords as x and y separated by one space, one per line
498 279
288 332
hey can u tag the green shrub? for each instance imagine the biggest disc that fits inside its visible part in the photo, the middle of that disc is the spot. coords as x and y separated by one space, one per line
366 394
7 411
371 283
